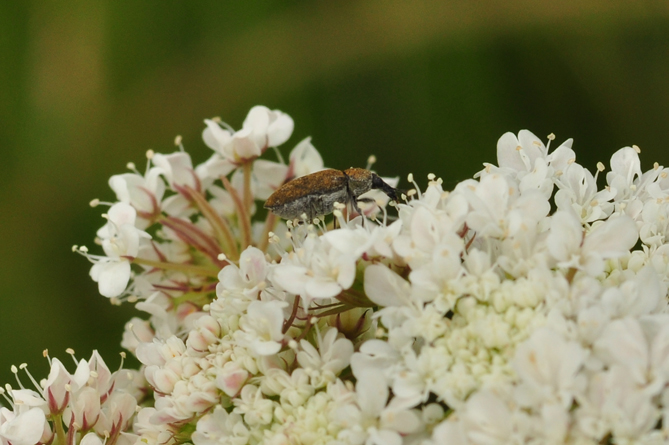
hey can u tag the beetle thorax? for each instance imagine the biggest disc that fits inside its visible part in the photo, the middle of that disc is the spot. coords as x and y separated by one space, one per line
359 180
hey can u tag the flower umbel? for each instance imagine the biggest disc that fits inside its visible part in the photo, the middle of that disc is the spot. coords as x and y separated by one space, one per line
526 305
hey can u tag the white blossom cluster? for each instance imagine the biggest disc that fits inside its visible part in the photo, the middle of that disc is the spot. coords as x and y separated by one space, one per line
90 406
527 305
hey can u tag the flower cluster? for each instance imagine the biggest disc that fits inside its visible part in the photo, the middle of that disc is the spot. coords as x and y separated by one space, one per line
89 406
526 305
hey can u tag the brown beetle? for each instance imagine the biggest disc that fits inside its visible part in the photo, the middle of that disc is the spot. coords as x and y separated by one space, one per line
315 194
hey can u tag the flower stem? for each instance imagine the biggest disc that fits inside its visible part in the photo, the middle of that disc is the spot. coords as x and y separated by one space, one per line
60 432
242 215
248 197
219 224
197 270
270 222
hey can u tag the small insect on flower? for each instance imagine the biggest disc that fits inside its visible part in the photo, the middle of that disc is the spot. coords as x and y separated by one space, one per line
316 194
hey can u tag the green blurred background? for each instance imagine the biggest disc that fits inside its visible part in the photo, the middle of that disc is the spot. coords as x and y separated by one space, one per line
427 86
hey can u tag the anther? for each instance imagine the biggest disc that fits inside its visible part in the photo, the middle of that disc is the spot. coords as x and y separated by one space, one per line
223 257
636 148
94 202
551 137
600 167
130 166
177 140
150 154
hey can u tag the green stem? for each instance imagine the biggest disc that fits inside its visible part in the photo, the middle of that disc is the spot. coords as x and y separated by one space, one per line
270 223
219 224
197 270
60 432
242 215
248 196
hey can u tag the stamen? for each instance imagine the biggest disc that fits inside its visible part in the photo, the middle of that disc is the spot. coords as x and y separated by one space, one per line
15 371
371 160
71 352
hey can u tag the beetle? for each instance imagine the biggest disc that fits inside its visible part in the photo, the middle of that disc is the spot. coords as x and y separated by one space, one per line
316 194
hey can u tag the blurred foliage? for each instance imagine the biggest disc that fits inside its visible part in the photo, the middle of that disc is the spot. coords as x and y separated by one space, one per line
427 86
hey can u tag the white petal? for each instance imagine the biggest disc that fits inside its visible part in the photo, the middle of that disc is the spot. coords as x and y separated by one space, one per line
214 136
322 288
384 287
24 429
507 152
280 129
613 238
112 277
565 236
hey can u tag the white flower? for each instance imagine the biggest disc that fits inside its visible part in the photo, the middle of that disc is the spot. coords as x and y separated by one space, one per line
498 210
144 193
578 193
625 168
526 159
120 241
261 328
220 428
177 168
547 366
315 270
247 279
568 244
304 159
614 403
487 419
253 406
332 356
370 420
231 378
262 128
25 428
